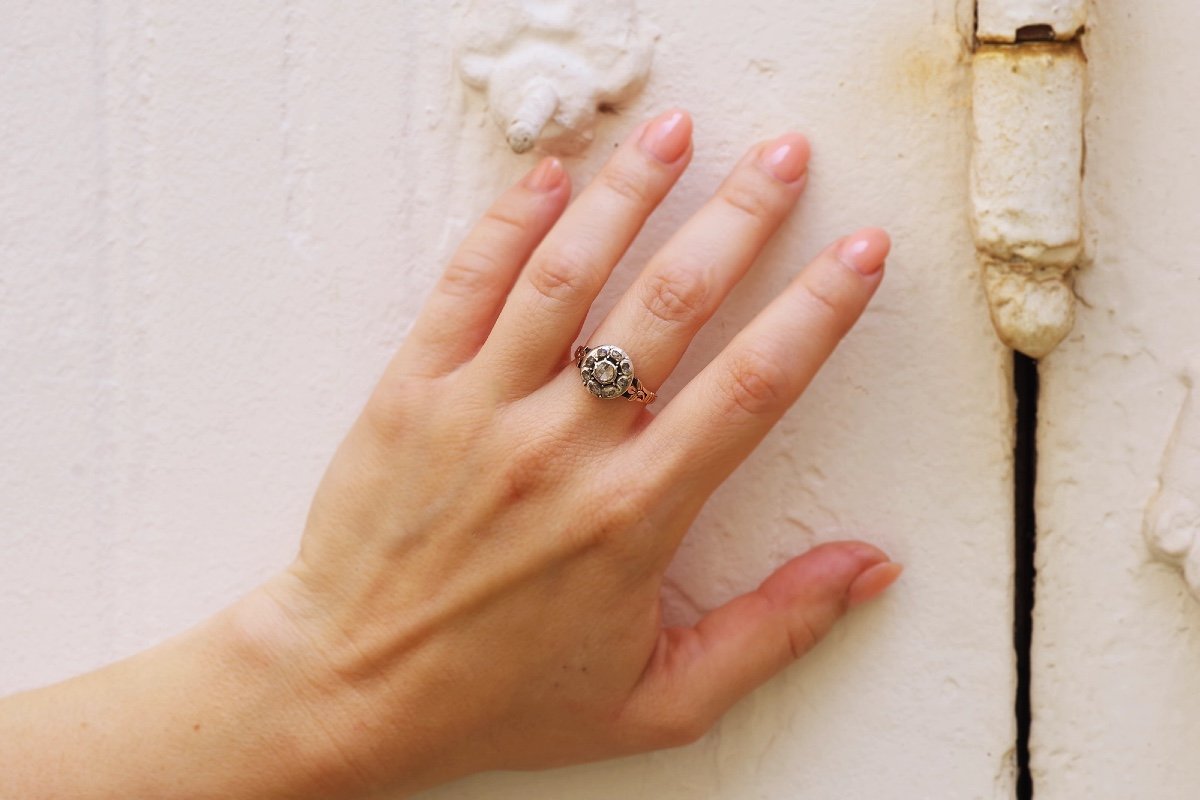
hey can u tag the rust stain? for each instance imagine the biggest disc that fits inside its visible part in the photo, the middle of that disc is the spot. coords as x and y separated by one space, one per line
931 72
1027 52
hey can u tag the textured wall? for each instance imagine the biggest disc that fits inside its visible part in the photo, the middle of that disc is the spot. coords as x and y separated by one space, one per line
216 221
1117 643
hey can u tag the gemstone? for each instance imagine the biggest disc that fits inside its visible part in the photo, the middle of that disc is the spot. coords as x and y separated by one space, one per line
609 391
605 371
594 388
601 352
623 382
627 367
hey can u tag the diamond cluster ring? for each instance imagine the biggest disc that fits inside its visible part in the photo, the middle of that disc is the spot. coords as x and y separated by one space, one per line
607 372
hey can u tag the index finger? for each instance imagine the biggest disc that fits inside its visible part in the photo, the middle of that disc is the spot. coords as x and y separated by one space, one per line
718 419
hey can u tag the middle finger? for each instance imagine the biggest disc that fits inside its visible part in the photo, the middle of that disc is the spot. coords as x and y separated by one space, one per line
684 283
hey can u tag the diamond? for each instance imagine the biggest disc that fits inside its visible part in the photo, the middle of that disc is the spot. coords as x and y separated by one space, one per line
605 371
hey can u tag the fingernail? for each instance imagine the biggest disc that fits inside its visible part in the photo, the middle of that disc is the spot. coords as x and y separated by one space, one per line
546 175
865 251
667 137
872 583
786 158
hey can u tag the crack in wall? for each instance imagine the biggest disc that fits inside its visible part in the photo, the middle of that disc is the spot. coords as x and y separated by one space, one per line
1025 387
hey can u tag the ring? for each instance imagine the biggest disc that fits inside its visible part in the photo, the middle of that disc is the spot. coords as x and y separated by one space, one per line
607 372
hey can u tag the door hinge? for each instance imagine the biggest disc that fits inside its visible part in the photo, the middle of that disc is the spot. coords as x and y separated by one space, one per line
1028 91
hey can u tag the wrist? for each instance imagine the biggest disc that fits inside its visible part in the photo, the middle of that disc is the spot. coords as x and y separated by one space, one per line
304 705
355 724
230 708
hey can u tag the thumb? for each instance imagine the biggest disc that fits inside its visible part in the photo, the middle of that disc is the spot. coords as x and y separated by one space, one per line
695 674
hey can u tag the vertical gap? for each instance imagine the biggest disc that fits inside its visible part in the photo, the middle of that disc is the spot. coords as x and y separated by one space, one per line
1025 385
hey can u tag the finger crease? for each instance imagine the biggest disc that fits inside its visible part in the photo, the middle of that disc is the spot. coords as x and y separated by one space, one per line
503 219
820 299
752 205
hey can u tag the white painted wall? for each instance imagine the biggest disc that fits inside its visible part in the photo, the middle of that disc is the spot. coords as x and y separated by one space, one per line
216 221
1117 642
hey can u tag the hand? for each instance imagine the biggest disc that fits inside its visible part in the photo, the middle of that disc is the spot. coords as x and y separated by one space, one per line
478 585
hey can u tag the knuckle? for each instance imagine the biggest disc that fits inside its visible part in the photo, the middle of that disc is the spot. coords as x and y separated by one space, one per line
676 295
393 407
625 510
802 636
561 275
619 518
679 728
469 272
507 221
530 467
758 203
753 384
626 183
820 301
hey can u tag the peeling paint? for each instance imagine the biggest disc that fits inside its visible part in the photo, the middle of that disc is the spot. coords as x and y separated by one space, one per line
1172 520
549 67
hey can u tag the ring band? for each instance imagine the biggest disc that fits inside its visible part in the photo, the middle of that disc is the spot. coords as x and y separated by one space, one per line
607 372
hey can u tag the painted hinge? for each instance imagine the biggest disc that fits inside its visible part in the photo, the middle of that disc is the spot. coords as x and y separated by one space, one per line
1029 78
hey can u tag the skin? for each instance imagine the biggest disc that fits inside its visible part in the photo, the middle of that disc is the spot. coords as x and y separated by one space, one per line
478 585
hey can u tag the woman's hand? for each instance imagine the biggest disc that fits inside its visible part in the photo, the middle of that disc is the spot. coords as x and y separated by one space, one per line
479 580
478 584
